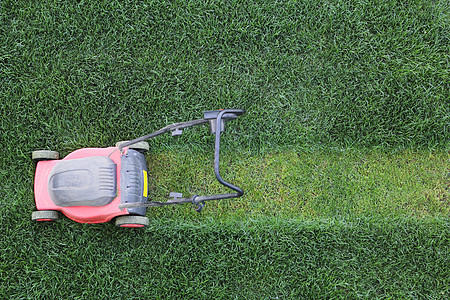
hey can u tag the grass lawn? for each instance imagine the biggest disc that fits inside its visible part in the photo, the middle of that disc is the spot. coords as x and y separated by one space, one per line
313 185
255 258
344 152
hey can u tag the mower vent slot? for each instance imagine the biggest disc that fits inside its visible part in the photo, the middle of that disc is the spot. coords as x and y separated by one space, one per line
134 182
106 178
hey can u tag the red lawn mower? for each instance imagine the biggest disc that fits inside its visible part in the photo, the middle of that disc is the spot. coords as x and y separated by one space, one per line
96 185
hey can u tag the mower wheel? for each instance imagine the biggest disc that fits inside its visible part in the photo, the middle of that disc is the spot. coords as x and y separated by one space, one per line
44 215
139 146
132 221
44 155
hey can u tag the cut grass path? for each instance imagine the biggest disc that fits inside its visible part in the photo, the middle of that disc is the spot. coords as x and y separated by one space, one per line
315 184
291 183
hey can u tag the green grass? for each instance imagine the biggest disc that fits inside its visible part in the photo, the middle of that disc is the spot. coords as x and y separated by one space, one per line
310 73
257 258
309 184
343 152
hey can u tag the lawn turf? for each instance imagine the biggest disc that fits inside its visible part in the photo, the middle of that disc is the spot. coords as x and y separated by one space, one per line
343 151
254 259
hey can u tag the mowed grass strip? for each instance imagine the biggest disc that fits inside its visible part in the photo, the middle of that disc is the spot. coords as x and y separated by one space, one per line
256 258
310 184
313 184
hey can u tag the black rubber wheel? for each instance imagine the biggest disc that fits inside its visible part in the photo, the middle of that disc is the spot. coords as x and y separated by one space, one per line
44 155
132 221
44 215
140 146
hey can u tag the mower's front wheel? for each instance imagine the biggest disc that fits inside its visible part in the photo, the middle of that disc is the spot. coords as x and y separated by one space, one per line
132 221
44 155
44 215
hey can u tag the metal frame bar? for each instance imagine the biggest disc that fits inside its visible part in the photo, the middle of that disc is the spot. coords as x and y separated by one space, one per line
197 200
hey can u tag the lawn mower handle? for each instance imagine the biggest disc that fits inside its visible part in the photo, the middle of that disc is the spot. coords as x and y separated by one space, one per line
198 200
219 124
216 119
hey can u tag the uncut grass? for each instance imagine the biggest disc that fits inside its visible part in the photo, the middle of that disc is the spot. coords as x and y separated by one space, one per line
372 74
259 258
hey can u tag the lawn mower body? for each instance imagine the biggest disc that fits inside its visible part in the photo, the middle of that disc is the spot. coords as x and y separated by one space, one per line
95 185
89 184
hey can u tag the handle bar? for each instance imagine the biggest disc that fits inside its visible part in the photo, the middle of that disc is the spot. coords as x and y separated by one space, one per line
216 119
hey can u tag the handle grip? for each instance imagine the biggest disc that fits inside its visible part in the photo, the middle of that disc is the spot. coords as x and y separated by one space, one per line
220 115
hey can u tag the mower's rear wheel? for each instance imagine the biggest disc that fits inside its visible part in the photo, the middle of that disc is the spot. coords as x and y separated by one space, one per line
44 215
139 146
132 221
44 155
